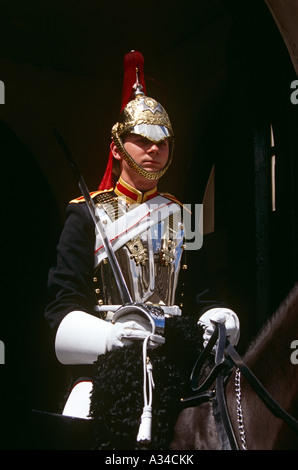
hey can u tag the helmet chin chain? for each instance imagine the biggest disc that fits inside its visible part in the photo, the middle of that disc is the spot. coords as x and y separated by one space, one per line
149 175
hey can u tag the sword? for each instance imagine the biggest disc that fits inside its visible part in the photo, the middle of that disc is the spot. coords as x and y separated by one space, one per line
123 290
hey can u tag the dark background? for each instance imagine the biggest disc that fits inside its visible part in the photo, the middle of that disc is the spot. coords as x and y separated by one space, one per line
223 72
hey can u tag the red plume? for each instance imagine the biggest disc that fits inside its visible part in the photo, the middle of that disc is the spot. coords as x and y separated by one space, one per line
133 69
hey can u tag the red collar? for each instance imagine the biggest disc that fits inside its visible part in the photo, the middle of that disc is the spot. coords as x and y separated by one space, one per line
131 194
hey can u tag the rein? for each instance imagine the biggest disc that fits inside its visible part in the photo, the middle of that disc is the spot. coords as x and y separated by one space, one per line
226 358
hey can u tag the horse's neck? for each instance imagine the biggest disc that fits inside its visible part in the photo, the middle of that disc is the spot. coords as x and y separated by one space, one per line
269 356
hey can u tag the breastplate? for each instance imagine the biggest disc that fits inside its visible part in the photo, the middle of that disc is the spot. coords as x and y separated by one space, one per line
148 243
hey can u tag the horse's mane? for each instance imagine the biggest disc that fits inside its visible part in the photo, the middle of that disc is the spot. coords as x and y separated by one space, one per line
269 328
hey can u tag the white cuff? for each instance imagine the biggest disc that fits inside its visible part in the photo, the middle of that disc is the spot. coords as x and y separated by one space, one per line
81 338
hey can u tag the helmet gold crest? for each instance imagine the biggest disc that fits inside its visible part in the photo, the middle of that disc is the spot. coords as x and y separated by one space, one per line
146 117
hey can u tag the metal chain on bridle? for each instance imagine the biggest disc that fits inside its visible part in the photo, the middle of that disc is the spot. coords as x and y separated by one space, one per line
240 418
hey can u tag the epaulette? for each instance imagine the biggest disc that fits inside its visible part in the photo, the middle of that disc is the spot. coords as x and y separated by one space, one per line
174 199
93 194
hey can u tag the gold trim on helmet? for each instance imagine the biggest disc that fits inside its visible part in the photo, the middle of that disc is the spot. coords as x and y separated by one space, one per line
144 116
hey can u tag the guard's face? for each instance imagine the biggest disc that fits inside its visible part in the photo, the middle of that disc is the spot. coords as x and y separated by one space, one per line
149 155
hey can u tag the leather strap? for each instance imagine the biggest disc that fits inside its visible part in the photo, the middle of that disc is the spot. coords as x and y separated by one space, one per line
267 399
219 362
222 417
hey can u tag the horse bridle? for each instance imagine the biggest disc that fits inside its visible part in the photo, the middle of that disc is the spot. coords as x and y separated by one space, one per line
226 358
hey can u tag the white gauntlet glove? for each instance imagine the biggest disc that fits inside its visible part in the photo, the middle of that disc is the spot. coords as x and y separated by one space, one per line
220 315
123 333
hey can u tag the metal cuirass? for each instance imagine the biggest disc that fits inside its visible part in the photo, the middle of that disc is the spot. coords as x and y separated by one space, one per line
148 242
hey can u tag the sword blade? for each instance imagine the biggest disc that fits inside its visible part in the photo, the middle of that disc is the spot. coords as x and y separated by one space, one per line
123 290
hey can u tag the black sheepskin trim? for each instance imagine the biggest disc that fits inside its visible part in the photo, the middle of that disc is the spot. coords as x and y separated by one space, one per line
117 397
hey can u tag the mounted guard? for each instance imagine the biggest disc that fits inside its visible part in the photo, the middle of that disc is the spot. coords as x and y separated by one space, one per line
120 253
